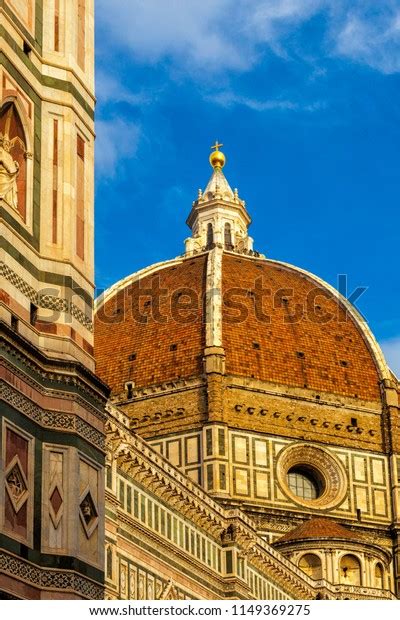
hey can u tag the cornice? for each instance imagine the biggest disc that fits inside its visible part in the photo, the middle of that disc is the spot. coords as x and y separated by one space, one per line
344 544
52 420
304 394
49 579
165 388
67 372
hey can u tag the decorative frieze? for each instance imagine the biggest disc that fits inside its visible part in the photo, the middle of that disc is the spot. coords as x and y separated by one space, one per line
53 420
49 302
60 376
48 579
263 412
19 283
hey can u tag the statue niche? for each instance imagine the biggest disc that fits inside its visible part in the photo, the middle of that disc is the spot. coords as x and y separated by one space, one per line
13 154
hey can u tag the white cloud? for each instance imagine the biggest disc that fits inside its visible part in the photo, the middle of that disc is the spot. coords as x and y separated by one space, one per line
110 89
391 350
268 21
209 36
116 140
189 31
375 42
228 99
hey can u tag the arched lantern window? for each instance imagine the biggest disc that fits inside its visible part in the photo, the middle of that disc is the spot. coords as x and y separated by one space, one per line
210 236
228 237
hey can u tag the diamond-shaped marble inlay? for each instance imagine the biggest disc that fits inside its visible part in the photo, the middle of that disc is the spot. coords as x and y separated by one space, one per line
88 508
56 500
88 513
16 485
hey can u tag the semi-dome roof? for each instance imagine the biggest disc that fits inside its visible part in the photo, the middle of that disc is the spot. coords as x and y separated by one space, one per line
318 533
272 321
317 529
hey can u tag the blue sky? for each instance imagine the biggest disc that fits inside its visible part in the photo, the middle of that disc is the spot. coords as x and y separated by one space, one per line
305 96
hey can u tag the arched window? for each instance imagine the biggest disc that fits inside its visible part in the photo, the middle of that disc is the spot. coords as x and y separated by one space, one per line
228 237
12 159
350 570
311 565
210 236
379 576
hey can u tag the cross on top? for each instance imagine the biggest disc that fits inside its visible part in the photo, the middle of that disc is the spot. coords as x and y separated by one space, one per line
216 145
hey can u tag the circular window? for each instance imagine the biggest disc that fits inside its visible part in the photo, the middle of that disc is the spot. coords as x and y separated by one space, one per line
311 476
304 482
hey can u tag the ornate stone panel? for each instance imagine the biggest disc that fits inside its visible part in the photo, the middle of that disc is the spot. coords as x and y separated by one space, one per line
56 503
18 491
89 509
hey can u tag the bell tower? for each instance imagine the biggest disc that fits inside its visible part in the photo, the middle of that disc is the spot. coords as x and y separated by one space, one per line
52 404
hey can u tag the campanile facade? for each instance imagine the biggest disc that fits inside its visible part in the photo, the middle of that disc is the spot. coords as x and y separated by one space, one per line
52 404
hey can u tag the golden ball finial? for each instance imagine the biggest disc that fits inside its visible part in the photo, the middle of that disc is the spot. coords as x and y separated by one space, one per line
217 158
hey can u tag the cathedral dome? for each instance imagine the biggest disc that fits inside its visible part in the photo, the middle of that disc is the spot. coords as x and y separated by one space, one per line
277 324
266 320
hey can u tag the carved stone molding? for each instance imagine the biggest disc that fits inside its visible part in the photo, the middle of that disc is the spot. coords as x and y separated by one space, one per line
54 420
49 579
52 302
88 512
16 484
167 387
61 378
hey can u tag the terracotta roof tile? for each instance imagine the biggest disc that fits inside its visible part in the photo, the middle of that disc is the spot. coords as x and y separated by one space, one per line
317 528
289 343
300 336
149 344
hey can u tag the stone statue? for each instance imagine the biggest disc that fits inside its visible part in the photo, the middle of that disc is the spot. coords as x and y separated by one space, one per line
87 510
9 170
